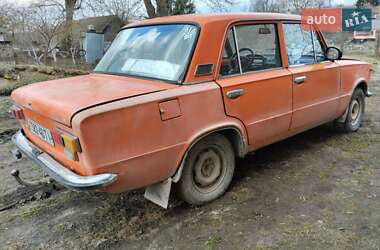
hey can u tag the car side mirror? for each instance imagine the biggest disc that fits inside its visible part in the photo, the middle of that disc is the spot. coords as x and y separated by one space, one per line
333 53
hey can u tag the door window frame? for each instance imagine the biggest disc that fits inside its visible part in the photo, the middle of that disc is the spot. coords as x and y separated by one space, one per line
320 40
278 28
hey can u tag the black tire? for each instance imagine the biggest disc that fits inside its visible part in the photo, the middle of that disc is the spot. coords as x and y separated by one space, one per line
356 109
208 170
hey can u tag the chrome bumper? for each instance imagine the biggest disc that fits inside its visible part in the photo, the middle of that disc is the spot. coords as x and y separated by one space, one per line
58 172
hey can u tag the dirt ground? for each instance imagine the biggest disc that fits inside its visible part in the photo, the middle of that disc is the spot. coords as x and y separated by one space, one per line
317 190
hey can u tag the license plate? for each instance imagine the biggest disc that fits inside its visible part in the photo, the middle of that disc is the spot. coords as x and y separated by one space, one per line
43 133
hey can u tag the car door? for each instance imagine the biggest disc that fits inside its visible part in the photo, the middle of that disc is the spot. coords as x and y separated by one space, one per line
316 81
256 88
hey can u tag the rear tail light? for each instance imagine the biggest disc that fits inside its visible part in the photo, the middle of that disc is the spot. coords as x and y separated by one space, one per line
69 142
17 112
57 138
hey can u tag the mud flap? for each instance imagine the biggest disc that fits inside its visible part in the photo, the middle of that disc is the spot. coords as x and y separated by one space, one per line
159 193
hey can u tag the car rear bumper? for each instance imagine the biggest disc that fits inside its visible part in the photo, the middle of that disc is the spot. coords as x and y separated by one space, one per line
57 171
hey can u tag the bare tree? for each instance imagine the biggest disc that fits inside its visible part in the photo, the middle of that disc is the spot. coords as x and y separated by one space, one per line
160 8
377 46
220 5
16 20
124 9
150 9
68 8
183 7
268 6
165 7
48 22
5 22
297 5
38 27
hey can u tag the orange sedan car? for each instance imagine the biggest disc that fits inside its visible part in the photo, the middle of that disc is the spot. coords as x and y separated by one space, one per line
177 99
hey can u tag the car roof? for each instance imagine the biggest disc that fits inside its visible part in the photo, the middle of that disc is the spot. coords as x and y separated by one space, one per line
203 19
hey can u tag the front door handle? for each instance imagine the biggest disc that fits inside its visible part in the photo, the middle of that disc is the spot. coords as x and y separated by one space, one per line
299 80
233 94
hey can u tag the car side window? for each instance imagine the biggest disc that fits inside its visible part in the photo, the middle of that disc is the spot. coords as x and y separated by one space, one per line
299 44
258 47
318 48
230 64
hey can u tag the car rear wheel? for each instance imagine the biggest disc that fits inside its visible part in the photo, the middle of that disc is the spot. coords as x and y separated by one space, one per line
355 112
208 170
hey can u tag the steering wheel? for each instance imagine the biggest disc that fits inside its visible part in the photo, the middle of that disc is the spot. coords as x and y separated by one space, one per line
246 61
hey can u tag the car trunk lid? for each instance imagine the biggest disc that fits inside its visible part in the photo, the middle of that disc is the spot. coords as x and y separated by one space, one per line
61 99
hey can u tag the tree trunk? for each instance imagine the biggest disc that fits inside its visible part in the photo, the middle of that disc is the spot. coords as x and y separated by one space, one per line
69 8
13 47
150 8
35 56
377 46
162 7
46 55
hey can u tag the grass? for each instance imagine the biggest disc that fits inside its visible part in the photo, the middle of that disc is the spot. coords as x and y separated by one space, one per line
302 231
27 74
212 242
326 173
6 87
37 210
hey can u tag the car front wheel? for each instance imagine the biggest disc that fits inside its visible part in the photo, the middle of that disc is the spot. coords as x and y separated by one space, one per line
208 170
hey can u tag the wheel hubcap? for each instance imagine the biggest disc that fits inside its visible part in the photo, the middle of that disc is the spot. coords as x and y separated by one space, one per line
355 112
208 168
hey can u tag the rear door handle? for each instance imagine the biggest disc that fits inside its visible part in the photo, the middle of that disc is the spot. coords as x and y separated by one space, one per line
299 80
233 94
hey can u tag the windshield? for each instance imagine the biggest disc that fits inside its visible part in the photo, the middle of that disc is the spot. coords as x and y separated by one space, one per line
157 51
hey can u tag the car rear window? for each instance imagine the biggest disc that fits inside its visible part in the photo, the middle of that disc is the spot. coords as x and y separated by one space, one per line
157 51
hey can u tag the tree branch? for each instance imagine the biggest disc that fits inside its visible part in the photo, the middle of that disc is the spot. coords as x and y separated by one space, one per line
150 8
